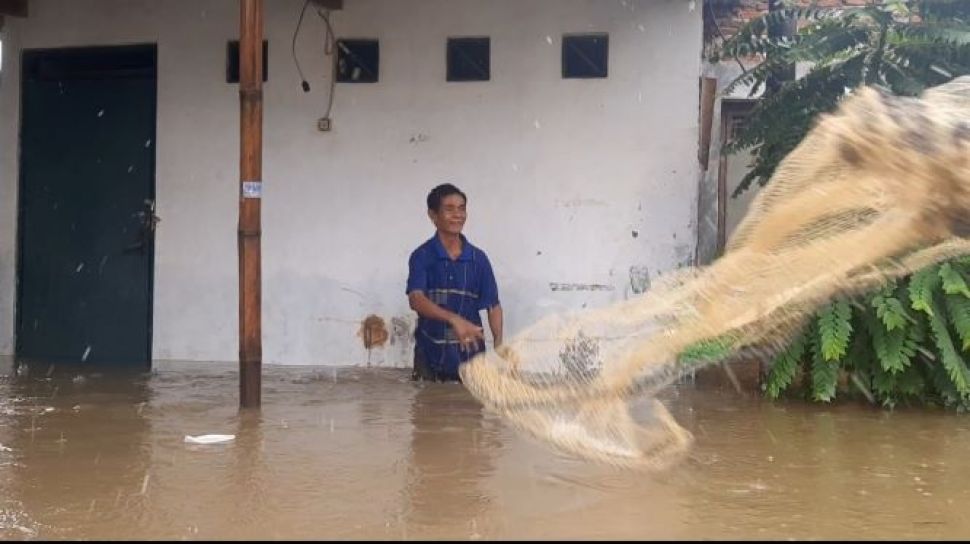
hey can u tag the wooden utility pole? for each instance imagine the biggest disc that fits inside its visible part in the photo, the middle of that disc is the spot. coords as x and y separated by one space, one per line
250 194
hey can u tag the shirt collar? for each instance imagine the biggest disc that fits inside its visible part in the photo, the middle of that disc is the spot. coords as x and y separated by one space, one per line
466 248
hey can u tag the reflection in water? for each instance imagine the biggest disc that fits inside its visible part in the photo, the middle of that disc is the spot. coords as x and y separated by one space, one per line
450 456
366 454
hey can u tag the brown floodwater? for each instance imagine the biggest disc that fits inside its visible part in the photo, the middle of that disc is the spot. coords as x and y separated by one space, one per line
356 453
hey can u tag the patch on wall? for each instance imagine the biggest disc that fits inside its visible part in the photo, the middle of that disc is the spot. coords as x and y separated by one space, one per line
402 330
402 336
683 254
580 203
579 287
639 279
373 332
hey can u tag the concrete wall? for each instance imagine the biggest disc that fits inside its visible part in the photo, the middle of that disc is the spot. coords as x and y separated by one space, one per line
579 190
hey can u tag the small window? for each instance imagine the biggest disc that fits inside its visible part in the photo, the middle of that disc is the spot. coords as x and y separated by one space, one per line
738 122
468 59
357 61
585 56
232 61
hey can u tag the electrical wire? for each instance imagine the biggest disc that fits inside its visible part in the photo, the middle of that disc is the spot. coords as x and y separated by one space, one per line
331 40
304 83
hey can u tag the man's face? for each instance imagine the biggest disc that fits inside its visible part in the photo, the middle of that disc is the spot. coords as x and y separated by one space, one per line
451 215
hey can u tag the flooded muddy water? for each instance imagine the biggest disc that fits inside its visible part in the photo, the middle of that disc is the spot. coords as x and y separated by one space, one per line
357 453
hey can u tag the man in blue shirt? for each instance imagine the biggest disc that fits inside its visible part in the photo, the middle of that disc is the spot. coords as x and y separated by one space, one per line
450 282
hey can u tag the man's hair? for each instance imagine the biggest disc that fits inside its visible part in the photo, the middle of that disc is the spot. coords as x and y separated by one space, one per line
440 192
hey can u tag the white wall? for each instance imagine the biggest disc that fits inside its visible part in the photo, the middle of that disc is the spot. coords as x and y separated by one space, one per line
559 173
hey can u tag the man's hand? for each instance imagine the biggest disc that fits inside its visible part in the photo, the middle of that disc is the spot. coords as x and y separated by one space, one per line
469 335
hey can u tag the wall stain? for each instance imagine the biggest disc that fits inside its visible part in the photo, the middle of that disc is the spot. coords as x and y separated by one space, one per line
373 332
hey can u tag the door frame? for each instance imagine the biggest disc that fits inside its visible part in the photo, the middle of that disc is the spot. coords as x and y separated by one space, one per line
25 55
734 112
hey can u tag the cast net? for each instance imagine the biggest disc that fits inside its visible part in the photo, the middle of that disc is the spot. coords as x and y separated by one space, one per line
877 190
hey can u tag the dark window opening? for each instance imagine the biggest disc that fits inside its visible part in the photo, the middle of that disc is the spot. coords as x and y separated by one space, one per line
358 61
232 61
469 59
585 56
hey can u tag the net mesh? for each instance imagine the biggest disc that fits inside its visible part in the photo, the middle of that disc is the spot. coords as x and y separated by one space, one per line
878 189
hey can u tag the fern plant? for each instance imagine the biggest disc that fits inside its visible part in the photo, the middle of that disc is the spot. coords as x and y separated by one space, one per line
910 341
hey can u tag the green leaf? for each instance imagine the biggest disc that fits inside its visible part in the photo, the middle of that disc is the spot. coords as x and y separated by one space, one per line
890 311
825 374
784 367
954 364
891 347
710 350
921 286
835 328
944 385
958 310
953 282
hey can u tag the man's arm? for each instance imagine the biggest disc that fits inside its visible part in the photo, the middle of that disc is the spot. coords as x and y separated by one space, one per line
495 323
468 333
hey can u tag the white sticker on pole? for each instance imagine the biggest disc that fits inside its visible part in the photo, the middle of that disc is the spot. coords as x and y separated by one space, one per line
252 189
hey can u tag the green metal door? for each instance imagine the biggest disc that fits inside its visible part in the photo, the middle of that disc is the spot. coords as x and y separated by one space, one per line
87 190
